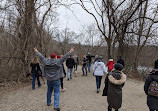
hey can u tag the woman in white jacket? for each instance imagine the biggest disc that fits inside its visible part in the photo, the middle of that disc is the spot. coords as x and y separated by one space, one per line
98 70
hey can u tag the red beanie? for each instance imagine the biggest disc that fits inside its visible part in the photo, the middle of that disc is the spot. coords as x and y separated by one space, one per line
58 56
53 55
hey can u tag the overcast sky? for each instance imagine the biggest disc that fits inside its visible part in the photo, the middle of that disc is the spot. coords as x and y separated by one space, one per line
74 20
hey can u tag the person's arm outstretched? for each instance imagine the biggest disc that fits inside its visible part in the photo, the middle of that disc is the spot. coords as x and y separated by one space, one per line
41 57
66 55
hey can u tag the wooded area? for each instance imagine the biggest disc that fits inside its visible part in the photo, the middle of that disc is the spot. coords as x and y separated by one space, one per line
127 28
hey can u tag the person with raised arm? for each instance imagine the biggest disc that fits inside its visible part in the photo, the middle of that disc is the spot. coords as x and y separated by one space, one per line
52 72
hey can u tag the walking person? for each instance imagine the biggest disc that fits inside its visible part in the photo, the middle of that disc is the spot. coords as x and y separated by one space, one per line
114 82
121 61
70 63
110 64
52 72
76 62
151 88
61 79
35 70
89 58
98 70
84 66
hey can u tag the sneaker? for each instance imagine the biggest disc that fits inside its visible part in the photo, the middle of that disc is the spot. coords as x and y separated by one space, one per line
33 88
82 74
68 79
48 104
57 109
63 90
98 90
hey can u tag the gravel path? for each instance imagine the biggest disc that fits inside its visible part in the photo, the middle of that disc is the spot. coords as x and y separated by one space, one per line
80 95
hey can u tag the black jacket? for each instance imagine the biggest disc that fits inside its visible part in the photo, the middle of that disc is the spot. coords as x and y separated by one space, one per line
89 57
35 68
70 62
121 61
85 61
152 101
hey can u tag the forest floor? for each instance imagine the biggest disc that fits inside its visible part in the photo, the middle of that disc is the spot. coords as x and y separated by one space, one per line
80 95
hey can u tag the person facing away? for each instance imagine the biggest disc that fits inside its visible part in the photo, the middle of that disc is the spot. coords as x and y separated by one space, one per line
98 70
151 88
75 57
35 70
121 61
70 63
84 66
61 79
110 64
52 72
114 82
89 58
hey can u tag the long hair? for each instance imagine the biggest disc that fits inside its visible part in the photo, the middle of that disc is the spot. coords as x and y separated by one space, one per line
35 60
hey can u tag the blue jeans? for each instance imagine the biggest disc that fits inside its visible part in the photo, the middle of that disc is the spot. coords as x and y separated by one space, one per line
53 85
98 81
75 66
89 66
84 67
34 76
69 73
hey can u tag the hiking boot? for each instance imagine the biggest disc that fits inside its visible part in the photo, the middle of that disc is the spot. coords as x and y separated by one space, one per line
57 109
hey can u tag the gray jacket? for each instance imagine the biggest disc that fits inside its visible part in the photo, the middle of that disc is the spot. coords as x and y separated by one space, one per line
52 68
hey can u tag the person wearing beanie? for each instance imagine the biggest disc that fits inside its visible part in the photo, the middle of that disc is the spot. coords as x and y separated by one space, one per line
70 63
151 88
89 60
76 62
114 82
52 72
98 71
110 64
62 71
121 61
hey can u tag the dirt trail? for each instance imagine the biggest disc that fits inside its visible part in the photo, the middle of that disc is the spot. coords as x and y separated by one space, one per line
80 95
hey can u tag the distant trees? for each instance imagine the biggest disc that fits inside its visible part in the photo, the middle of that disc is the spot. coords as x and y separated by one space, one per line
120 20
24 26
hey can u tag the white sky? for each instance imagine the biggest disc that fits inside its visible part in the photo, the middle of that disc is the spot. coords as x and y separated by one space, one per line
74 20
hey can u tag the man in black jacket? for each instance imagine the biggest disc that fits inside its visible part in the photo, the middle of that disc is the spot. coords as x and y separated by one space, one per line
152 100
70 63
89 58
121 61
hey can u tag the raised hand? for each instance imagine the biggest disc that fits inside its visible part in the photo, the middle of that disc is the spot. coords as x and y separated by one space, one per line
72 49
35 49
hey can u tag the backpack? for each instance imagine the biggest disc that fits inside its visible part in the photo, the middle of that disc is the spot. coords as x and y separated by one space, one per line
153 89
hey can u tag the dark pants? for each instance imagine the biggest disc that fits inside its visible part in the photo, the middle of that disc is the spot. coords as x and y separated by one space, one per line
75 66
110 108
98 81
84 67
34 76
152 110
89 66
61 82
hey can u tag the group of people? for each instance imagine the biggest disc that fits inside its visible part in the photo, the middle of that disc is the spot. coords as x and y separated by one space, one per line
54 71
